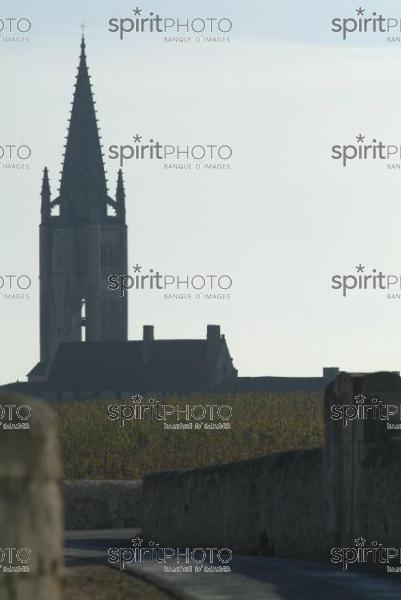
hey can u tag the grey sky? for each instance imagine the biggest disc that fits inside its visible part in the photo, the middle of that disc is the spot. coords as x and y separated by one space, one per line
281 221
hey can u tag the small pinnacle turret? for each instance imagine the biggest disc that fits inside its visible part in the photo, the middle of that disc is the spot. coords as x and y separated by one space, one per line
120 196
45 196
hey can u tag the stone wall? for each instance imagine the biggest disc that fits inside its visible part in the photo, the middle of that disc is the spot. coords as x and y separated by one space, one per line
268 505
30 502
295 504
379 515
91 504
362 460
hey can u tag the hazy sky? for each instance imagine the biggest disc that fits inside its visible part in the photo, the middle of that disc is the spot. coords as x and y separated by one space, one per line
281 221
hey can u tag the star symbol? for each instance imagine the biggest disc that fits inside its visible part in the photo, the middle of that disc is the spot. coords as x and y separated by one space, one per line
137 268
359 268
137 138
360 542
360 398
360 11
137 541
137 399
137 11
360 138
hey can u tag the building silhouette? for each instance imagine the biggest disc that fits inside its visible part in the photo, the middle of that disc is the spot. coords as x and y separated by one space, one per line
83 238
84 351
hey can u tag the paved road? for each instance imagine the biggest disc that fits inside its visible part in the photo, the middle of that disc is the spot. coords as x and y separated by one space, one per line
252 577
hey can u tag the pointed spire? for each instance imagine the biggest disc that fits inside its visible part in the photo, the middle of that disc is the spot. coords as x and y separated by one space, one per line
120 196
83 189
45 196
83 55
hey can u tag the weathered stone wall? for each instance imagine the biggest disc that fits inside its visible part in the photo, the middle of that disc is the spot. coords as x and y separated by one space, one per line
268 505
295 504
363 461
379 514
30 503
91 504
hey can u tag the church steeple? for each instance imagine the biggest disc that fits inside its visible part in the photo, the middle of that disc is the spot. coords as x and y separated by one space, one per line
45 196
83 189
82 242
120 196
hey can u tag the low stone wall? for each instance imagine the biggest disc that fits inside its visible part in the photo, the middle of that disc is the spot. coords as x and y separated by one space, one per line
103 504
296 504
269 505
362 459
31 552
379 515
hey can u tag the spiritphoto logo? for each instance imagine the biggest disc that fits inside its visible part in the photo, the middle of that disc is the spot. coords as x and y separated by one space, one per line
15 29
182 287
366 409
367 150
173 560
15 560
14 156
188 416
15 287
363 554
363 280
173 156
366 22
181 29
13 417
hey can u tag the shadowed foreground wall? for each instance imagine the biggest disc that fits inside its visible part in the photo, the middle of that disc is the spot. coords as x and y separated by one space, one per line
296 504
379 514
363 461
90 504
269 505
30 504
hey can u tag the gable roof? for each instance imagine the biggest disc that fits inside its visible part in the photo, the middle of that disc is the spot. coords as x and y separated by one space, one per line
38 370
174 365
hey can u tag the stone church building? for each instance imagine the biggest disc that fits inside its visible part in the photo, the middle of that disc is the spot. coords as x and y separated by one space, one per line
84 347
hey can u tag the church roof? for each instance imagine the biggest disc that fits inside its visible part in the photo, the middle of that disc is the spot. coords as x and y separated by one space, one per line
173 365
38 370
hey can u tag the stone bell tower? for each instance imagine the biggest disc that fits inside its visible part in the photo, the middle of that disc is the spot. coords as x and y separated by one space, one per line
83 238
